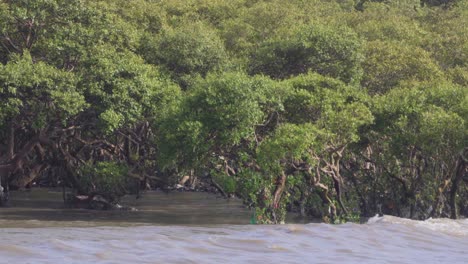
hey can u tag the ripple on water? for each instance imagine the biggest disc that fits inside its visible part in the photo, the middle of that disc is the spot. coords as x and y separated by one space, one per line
377 243
15 250
135 238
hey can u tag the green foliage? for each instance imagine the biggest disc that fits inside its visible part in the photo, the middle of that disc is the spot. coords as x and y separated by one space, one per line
459 75
250 184
389 63
290 142
448 36
37 90
334 52
186 51
379 21
420 126
328 115
123 89
138 16
227 183
108 179
228 105
369 96
217 114
261 21
330 104
61 32
443 3
430 116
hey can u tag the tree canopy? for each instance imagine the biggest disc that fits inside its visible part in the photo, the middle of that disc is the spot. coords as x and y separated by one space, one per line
333 109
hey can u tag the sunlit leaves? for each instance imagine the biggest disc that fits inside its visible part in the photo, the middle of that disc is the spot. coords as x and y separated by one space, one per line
186 51
429 116
38 89
389 63
332 52
291 143
123 89
219 112
330 104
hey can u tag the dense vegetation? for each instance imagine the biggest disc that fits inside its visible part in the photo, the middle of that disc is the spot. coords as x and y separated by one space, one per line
334 109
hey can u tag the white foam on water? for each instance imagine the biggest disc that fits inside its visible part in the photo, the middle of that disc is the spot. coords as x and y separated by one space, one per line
446 226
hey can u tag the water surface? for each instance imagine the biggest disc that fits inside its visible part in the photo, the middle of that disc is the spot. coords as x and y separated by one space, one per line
44 207
225 237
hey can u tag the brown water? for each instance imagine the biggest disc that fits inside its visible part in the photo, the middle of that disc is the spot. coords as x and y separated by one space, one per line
44 207
200 228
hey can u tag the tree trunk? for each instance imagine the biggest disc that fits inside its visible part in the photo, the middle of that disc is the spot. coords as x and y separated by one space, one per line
460 170
281 183
11 142
6 170
23 180
439 200
279 190
220 189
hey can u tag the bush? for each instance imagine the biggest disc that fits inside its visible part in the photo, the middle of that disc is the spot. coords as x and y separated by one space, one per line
389 63
227 183
330 52
107 179
186 51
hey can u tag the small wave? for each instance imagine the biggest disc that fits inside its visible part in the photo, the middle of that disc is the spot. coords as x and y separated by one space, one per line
380 240
442 225
449 226
375 219
16 250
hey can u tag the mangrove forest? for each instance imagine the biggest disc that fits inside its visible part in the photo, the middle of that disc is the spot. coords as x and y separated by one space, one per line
331 109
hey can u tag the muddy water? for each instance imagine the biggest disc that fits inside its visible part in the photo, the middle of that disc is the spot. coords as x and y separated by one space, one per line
200 228
45 207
